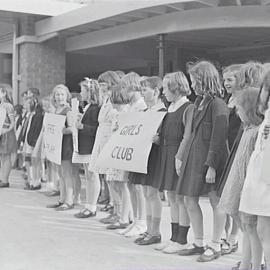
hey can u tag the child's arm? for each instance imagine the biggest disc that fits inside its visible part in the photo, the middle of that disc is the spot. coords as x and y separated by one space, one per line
218 139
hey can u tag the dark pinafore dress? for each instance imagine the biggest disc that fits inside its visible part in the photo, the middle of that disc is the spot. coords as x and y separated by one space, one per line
152 167
67 141
171 135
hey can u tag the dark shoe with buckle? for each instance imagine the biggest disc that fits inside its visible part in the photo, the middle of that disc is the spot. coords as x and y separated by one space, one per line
150 240
4 185
36 187
117 225
194 250
141 237
54 205
209 255
85 213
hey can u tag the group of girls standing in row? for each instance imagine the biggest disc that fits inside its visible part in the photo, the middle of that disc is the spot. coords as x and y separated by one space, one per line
213 148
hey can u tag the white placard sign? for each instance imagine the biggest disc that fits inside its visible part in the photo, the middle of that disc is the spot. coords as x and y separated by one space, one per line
53 134
129 147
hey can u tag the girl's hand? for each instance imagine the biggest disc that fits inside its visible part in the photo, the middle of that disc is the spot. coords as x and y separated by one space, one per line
79 125
178 164
155 139
116 127
210 176
65 130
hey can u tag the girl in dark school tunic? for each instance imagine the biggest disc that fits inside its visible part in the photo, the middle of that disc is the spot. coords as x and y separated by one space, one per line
87 129
205 156
61 97
151 92
174 133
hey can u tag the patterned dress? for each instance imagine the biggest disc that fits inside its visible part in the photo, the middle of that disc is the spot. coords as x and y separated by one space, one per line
230 198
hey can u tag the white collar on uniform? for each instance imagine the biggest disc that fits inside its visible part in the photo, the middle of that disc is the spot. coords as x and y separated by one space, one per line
86 108
160 105
177 104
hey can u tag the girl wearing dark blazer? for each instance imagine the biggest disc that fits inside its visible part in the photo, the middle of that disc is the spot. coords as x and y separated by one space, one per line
204 156
87 128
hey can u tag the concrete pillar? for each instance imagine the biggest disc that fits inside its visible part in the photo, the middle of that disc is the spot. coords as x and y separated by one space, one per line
161 55
40 65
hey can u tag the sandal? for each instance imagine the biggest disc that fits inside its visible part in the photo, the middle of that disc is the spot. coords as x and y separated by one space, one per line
85 213
227 248
64 207
209 257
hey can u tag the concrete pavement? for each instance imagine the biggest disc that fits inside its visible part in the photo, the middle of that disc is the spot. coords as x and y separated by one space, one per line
33 237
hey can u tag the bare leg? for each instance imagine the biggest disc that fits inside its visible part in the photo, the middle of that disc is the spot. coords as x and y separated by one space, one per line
196 218
263 228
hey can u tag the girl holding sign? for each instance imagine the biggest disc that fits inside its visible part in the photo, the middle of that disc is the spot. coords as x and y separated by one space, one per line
204 157
173 137
117 179
131 89
8 144
87 127
61 97
106 80
151 89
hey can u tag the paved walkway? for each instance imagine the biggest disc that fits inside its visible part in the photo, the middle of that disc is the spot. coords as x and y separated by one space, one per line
33 237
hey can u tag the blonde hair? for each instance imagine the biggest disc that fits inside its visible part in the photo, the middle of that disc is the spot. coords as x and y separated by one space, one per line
92 87
120 73
177 81
247 100
7 89
207 76
251 74
109 77
131 81
60 87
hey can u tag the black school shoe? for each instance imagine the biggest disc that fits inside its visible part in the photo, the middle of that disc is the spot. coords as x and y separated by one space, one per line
150 240
4 185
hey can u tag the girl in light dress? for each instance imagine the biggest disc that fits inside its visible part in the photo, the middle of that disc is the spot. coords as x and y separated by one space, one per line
131 89
87 125
8 144
236 79
230 198
106 80
255 199
52 185
118 179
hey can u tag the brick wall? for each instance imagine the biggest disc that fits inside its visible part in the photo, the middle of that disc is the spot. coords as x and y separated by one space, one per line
42 65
